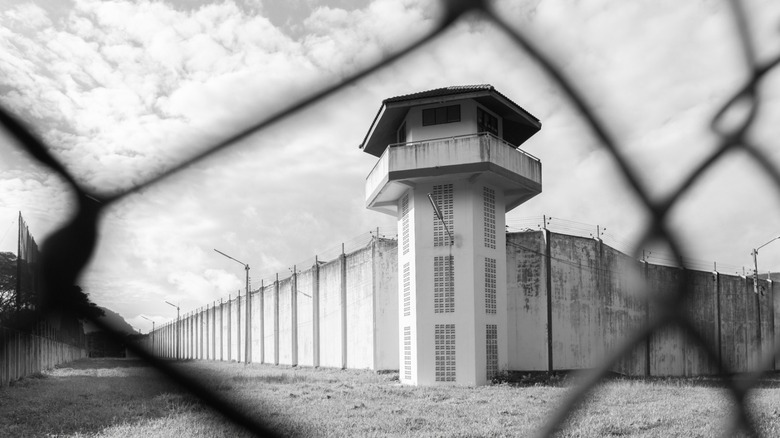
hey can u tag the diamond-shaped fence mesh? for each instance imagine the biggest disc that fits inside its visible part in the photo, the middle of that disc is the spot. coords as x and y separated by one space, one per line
66 252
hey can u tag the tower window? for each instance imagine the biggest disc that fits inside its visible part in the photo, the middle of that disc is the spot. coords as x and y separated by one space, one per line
443 195
442 114
402 133
407 353
489 206
405 222
490 285
486 122
444 346
443 285
492 350
407 290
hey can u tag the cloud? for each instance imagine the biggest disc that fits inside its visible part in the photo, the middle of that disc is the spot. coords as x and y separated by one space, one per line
29 16
42 198
123 89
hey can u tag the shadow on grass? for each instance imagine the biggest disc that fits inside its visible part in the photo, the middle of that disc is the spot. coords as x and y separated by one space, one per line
46 404
571 377
107 363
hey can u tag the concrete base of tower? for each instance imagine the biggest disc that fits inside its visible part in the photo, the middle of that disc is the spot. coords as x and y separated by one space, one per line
452 283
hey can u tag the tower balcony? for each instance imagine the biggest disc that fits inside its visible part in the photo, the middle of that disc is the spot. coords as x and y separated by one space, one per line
484 156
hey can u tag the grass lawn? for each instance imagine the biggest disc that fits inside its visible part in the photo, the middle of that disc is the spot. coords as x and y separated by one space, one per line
123 398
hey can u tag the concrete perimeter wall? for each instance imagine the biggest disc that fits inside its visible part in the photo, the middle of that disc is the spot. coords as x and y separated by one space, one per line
342 313
572 300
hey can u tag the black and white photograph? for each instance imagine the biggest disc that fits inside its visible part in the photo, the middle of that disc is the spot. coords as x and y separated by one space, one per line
389 218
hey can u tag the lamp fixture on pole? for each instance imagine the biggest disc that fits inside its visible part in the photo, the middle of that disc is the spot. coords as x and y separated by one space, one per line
755 263
437 211
178 328
248 337
152 330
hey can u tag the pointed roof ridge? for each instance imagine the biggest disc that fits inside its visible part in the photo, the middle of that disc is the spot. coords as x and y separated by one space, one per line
519 124
443 91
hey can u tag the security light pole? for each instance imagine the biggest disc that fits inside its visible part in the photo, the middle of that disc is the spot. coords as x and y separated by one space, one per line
248 337
758 300
755 263
441 218
153 351
178 328
437 211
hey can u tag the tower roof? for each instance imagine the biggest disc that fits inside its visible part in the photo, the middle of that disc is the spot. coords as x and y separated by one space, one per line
519 124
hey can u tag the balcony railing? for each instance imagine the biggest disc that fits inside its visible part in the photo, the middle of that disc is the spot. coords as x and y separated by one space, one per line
458 151
488 135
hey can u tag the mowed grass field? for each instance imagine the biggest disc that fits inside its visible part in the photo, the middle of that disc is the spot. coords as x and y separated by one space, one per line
124 398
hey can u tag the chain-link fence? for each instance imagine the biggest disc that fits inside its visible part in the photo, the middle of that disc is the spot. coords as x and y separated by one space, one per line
66 252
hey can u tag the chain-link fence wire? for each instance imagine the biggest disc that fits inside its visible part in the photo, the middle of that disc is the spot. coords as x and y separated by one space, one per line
66 252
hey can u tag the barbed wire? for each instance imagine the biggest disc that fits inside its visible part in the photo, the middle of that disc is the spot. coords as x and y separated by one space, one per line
618 242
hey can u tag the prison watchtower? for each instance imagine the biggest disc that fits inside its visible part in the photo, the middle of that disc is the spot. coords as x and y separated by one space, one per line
449 168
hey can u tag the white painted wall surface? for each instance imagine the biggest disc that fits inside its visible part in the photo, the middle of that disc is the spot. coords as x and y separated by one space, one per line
360 310
285 322
386 306
330 314
305 325
256 321
268 320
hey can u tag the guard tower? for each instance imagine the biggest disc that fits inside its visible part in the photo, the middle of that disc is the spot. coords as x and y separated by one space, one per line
449 168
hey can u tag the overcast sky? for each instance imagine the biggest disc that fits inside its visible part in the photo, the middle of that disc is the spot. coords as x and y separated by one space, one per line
122 90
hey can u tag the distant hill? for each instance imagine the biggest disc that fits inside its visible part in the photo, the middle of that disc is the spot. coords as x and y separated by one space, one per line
112 319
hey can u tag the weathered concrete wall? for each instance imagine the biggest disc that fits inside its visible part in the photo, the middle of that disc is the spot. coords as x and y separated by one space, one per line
740 346
596 301
703 314
733 326
360 309
305 318
385 280
268 322
222 314
356 315
775 302
526 301
576 312
594 304
285 322
667 344
330 314
594 292
766 343
241 329
257 355
626 309
768 320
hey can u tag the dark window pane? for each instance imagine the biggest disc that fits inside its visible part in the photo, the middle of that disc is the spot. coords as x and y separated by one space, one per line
453 113
441 115
486 122
429 117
